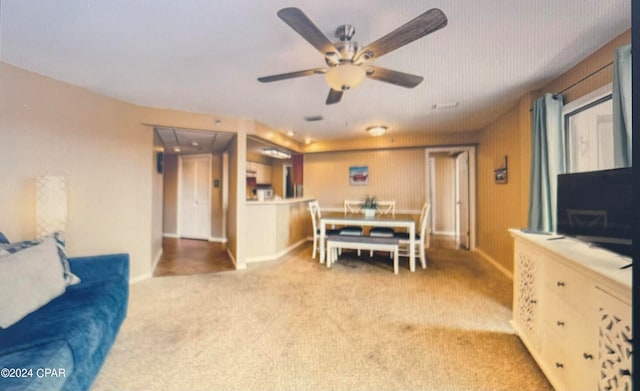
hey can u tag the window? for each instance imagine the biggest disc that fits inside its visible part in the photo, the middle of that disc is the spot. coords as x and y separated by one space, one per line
588 125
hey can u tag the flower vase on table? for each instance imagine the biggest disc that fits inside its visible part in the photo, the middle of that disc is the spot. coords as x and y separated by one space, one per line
369 206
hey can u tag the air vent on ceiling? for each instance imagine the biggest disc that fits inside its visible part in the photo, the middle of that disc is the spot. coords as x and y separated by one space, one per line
313 118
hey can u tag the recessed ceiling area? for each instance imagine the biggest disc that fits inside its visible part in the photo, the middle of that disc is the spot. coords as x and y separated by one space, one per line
186 141
206 57
190 141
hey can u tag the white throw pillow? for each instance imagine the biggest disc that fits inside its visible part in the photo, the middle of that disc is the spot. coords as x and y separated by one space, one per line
29 279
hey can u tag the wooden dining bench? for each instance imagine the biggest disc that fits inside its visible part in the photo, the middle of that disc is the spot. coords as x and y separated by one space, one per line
372 243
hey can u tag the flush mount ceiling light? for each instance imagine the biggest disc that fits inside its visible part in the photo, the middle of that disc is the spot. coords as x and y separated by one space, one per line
345 77
276 153
377 130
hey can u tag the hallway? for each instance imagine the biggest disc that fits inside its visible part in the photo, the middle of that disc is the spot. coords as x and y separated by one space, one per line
189 256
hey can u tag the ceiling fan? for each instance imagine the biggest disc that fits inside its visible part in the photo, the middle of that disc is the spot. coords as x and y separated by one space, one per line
346 63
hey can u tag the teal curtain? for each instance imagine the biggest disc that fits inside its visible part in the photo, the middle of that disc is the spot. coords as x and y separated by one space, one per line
547 161
622 107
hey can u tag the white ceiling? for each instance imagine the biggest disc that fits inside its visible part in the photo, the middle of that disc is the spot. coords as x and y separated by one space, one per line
205 56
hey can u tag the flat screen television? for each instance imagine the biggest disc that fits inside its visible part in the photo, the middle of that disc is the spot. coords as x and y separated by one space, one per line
597 207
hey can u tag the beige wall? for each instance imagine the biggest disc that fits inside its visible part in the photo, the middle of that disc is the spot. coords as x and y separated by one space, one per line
170 207
393 175
277 175
105 148
232 223
502 206
506 206
156 213
99 144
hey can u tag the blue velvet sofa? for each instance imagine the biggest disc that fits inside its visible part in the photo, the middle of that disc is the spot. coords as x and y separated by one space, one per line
62 345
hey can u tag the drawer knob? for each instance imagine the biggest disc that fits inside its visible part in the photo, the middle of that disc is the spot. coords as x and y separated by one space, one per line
559 365
560 283
560 323
587 356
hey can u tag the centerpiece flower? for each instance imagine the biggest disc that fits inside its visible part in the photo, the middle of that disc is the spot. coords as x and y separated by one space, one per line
369 206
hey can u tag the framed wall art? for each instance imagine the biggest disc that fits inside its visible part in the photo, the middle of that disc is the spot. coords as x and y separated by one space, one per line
358 175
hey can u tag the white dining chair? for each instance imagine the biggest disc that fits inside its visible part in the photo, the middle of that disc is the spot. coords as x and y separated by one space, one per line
316 214
421 239
352 207
386 208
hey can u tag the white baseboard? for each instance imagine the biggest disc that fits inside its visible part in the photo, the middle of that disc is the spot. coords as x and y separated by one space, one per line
138 279
273 257
235 262
174 235
495 264
156 260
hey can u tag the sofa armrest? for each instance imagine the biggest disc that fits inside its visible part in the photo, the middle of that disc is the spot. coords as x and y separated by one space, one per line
99 267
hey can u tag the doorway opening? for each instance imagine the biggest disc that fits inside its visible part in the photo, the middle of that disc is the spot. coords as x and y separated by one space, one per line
195 193
288 181
450 189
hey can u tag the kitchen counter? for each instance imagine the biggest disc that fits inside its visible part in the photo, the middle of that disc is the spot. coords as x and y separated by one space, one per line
276 227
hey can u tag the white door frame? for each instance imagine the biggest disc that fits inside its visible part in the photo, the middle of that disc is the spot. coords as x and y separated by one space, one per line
463 237
472 183
179 222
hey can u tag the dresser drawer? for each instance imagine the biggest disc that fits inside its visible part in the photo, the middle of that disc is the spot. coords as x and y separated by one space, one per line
570 373
569 286
569 329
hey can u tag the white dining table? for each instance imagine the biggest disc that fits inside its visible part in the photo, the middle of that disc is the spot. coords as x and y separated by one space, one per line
397 221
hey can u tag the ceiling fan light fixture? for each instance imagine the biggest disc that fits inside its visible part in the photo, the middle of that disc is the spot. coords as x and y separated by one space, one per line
345 77
377 130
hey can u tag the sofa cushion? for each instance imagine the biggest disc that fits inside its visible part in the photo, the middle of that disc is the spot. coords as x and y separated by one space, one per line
3 239
10 248
29 279
85 319
88 316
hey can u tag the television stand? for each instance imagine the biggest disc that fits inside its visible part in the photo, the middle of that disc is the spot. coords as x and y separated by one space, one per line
572 310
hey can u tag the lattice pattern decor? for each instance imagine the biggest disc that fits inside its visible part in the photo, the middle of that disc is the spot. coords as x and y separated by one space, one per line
614 353
51 204
526 287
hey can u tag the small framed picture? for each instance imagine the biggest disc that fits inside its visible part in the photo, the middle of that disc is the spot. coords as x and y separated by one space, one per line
500 175
358 175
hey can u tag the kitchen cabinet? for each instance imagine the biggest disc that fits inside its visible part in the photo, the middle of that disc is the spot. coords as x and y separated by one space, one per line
261 172
572 310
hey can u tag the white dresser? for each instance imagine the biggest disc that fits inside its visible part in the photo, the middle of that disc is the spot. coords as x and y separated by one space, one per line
572 310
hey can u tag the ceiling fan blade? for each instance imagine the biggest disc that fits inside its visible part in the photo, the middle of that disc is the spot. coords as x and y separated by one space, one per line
298 21
334 96
394 77
428 22
291 75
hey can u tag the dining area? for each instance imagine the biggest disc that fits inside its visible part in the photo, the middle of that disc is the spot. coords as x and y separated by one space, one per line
370 226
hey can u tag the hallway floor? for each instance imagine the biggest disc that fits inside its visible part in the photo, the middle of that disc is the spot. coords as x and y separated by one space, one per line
189 256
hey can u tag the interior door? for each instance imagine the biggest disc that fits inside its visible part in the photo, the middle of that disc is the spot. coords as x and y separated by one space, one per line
462 199
195 197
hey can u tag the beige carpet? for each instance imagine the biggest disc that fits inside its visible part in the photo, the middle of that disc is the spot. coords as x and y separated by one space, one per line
294 325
